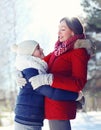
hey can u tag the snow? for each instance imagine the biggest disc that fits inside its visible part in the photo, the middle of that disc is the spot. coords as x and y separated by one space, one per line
83 121
87 121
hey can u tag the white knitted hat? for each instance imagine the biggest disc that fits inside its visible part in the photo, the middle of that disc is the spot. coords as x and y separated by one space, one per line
25 48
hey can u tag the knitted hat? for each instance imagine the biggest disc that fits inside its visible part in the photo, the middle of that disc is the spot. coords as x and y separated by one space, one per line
74 24
25 48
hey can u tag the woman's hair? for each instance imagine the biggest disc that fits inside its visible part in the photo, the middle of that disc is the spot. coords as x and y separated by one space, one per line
74 24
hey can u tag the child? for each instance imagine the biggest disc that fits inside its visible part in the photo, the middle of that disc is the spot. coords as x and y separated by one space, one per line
29 109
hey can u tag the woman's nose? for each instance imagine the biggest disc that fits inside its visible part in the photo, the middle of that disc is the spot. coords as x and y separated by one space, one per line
41 49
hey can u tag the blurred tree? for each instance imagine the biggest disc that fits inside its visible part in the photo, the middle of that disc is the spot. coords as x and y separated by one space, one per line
93 11
92 8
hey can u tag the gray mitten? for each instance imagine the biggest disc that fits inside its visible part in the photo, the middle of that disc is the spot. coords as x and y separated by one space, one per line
80 95
42 79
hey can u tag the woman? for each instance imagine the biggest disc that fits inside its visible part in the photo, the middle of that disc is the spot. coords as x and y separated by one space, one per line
68 64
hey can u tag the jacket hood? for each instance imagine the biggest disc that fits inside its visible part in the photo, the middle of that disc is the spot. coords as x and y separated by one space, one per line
87 44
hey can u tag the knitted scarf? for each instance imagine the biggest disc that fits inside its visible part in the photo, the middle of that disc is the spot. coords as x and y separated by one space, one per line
62 47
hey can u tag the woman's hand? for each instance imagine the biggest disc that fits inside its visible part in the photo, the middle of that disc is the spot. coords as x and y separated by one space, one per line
42 79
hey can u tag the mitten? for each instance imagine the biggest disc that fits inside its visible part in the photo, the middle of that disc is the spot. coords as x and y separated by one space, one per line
19 79
80 95
42 79
80 103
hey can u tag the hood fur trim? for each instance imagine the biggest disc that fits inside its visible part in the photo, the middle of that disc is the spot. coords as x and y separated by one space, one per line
87 44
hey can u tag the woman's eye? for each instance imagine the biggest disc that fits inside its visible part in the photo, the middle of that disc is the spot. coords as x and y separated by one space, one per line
63 29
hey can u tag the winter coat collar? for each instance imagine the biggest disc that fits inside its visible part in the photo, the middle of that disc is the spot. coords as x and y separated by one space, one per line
87 44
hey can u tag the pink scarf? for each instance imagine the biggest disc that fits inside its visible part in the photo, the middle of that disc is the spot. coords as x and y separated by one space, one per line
62 47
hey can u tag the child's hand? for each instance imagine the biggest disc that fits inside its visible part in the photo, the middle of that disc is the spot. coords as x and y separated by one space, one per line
80 95
42 79
21 82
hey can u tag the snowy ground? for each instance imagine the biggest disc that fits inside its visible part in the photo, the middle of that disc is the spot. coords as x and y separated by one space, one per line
84 121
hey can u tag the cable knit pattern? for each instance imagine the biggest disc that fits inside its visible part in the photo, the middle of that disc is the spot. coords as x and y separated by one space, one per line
63 47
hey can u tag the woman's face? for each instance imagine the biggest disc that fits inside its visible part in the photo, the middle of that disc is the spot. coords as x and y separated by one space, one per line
38 52
64 32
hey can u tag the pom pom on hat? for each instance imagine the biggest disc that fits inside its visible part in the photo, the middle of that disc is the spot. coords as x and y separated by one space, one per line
14 48
25 48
